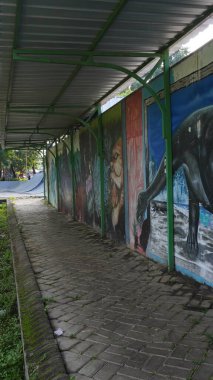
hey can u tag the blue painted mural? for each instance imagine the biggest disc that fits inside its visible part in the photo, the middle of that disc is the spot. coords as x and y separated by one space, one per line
192 114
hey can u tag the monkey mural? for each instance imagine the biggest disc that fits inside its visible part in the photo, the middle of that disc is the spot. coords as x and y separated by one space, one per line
193 150
117 189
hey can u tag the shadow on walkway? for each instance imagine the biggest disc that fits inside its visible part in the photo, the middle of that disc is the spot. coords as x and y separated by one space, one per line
123 317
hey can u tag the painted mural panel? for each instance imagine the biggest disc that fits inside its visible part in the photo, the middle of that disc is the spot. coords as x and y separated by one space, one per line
193 180
87 177
114 181
65 177
134 165
52 178
192 115
80 197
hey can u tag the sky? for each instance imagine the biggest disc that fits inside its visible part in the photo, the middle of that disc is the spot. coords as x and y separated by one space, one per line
200 39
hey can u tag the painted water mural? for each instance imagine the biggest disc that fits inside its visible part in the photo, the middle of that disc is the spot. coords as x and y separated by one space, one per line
113 167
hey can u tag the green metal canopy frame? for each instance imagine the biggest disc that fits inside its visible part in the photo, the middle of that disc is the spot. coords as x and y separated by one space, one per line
44 56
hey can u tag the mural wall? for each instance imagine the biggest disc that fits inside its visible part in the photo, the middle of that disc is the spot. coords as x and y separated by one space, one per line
134 147
65 203
135 199
114 181
87 176
52 178
192 113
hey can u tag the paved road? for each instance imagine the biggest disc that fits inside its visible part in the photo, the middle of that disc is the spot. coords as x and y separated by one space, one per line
123 317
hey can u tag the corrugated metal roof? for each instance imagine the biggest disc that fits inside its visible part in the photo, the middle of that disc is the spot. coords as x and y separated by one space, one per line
83 25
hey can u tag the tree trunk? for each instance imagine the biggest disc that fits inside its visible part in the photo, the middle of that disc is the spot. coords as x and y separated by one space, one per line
33 167
13 171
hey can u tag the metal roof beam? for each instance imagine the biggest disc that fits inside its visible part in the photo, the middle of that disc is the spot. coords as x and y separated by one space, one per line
131 54
32 129
98 38
14 45
11 107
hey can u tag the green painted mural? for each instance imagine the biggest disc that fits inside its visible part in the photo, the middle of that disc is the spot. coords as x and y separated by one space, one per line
87 176
113 173
65 203
52 177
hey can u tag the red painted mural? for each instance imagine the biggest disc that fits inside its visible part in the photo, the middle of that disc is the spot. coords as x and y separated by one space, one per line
134 162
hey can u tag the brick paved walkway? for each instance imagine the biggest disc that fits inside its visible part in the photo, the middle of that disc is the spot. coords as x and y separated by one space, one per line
123 316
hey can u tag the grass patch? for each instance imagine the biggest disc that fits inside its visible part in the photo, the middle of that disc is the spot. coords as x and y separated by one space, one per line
11 355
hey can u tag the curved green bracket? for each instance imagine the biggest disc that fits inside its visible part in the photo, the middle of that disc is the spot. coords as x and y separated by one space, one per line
66 145
91 63
88 126
51 153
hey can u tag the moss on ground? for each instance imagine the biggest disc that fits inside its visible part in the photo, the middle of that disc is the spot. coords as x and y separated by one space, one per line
11 354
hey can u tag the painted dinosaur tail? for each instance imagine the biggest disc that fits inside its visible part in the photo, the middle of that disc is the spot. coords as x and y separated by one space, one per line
144 197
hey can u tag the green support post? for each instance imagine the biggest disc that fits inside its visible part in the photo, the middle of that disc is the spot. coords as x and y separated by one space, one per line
167 132
101 157
72 157
57 173
44 174
47 174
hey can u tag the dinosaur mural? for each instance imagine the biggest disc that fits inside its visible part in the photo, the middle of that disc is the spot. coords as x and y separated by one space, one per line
193 151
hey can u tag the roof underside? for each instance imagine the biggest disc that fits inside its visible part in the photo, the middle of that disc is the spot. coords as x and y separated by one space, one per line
28 89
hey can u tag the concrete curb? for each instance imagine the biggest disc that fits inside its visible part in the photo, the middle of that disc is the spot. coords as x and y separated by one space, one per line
42 357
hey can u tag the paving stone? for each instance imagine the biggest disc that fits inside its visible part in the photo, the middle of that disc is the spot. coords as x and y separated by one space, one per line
180 351
137 360
179 363
205 372
181 373
92 367
209 313
153 363
81 347
78 376
74 362
134 373
107 371
95 349
65 343
112 358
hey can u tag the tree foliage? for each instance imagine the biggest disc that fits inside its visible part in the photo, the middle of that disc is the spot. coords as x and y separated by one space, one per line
173 59
19 161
